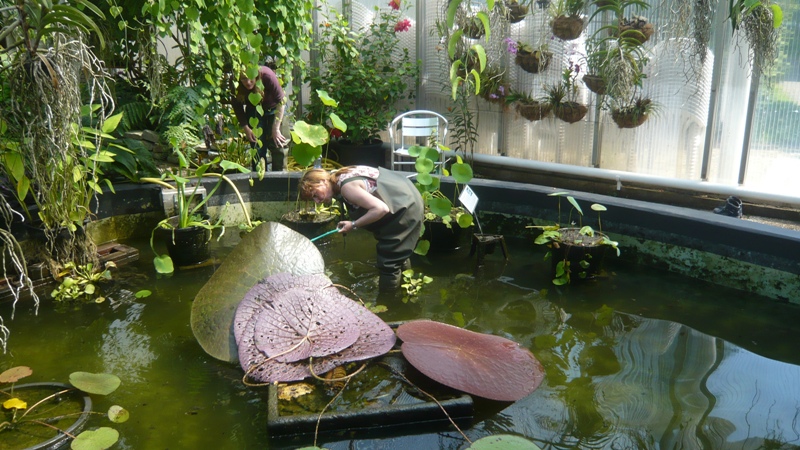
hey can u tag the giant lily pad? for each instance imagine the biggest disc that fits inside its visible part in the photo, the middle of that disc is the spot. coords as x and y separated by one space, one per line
287 323
270 248
488 366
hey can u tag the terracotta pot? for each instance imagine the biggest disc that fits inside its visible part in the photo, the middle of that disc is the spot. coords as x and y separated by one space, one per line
628 119
640 35
533 62
534 111
570 112
595 83
567 27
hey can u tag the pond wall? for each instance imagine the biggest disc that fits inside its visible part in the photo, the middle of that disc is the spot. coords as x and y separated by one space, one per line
752 257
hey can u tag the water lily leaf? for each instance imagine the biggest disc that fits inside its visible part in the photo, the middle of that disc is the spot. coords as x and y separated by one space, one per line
15 374
270 248
101 438
277 294
462 172
503 442
305 154
440 206
488 366
95 383
118 414
301 324
14 403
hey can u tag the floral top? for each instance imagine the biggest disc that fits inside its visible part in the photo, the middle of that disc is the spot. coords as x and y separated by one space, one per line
367 173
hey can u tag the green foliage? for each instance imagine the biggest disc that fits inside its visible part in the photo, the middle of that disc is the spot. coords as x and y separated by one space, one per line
309 139
81 281
413 283
366 70
567 8
189 205
90 383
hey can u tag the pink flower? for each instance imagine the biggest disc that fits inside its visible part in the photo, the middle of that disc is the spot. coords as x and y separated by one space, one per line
403 25
512 46
395 4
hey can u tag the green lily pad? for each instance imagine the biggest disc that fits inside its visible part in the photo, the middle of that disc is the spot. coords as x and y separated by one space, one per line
269 249
98 439
503 442
118 414
95 383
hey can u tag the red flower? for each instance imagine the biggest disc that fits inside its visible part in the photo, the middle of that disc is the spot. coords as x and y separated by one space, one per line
336 133
403 25
395 4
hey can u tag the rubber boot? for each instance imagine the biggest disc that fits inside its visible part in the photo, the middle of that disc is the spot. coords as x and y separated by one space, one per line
389 281
732 208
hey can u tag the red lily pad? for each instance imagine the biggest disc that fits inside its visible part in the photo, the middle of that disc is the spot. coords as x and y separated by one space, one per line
488 366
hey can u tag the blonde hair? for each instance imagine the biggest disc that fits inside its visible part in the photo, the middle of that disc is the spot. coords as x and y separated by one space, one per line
314 177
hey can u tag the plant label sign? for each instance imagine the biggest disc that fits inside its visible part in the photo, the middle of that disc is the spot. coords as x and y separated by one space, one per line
468 199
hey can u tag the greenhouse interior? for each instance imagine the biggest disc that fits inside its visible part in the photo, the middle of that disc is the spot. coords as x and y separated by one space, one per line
562 241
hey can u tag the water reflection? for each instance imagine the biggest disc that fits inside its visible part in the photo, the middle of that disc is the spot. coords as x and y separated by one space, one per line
125 347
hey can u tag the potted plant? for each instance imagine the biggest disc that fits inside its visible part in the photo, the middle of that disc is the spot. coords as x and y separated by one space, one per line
494 85
530 59
441 214
632 113
637 28
575 251
567 18
62 410
188 232
563 96
595 57
368 71
512 10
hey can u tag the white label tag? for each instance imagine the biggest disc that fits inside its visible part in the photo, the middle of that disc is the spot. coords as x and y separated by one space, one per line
468 199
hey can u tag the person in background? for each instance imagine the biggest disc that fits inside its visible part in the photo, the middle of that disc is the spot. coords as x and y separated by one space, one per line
378 200
272 102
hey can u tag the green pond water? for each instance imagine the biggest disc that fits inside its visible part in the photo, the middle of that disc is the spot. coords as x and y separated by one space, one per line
639 359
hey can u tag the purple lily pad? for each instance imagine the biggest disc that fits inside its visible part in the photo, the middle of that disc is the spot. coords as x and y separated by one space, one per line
488 366
302 323
277 302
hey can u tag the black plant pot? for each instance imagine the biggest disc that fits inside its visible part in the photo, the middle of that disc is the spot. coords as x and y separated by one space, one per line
186 246
348 153
444 239
74 405
310 225
585 258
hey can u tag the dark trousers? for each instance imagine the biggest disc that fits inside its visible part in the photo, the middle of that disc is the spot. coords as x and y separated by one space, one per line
268 145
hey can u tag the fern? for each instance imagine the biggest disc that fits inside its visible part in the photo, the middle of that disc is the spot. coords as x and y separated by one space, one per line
181 137
180 107
136 116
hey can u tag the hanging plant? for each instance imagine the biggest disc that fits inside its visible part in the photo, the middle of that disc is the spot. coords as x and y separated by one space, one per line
636 29
563 97
633 114
567 18
530 59
760 23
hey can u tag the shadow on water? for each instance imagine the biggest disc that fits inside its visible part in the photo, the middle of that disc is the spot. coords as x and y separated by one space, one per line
635 359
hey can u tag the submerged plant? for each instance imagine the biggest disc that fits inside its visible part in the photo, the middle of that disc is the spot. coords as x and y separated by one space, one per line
19 415
79 281
413 283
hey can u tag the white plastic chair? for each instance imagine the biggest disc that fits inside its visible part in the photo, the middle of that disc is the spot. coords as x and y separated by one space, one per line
418 127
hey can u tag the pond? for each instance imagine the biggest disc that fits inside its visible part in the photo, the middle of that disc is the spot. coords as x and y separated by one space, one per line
637 359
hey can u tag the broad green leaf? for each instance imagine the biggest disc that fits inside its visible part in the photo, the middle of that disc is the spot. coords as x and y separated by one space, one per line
305 154
484 18
423 245
453 43
254 98
452 8
95 383
118 414
425 178
326 99
598 207
574 203
423 166
477 78
477 48
462 172
429 153
14 165
777 15
101 438
163 264
110 125
440 206
414 150
503 442
338 123
465 220
314 135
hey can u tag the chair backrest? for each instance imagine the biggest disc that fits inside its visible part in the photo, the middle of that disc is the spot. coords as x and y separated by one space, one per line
417 124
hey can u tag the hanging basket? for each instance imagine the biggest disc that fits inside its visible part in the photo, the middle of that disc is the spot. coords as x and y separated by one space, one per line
639 34
533 62
567 27
534 111
515 12
595 83
627 119
570 112
473 28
